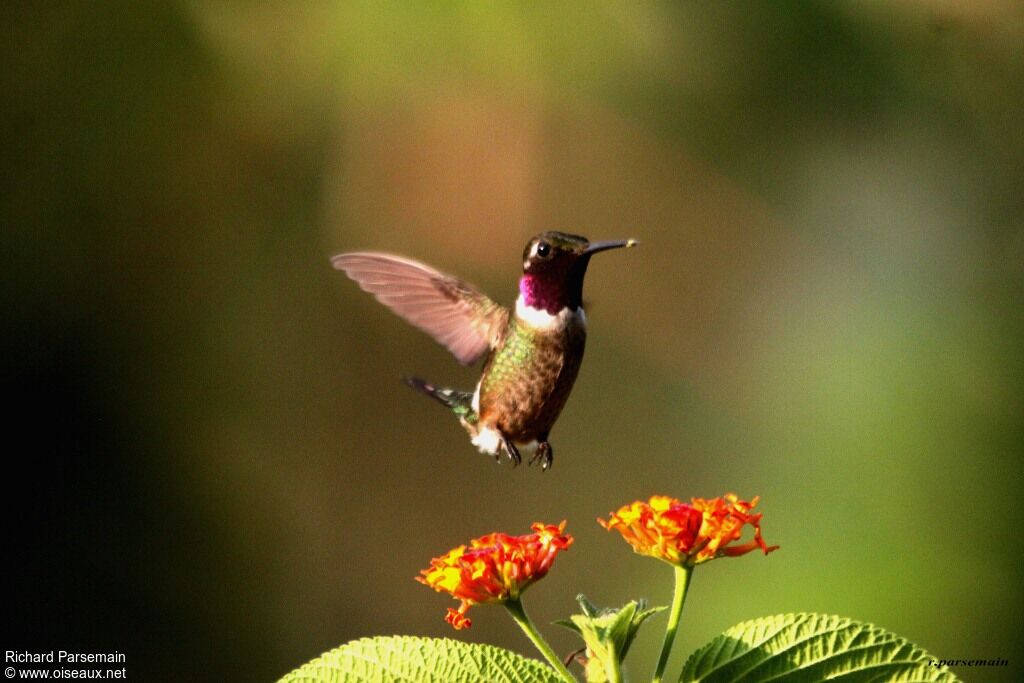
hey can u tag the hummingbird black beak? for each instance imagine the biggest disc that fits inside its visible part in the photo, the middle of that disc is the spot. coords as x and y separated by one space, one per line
595 247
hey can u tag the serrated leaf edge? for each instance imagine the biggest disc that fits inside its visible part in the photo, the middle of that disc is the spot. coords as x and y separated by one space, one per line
454 651
789 620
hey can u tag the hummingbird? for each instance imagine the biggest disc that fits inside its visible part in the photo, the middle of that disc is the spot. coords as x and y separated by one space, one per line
533 351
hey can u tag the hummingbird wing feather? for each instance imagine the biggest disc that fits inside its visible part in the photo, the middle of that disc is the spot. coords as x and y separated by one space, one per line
453 312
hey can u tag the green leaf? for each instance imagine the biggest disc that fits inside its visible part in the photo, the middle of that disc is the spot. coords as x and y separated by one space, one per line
803 648
420 660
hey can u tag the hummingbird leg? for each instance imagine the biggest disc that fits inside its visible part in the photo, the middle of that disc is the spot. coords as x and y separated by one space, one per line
545 453
511 451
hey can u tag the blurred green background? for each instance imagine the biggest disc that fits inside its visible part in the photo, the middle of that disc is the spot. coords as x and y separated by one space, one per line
213 466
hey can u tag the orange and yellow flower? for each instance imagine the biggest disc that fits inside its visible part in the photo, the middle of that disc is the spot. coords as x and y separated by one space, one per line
494 568
688 533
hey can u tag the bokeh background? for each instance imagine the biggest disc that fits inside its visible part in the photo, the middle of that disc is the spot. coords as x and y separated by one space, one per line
213 467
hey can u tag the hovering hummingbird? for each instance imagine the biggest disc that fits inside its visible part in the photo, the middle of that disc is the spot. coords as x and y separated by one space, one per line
533 352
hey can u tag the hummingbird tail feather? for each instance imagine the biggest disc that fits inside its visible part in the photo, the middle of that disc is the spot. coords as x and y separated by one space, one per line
460 402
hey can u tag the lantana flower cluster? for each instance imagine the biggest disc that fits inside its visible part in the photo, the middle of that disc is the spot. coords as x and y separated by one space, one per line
494 568
688 533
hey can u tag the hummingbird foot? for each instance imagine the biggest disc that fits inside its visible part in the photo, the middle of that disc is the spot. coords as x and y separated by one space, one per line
511 451
545 454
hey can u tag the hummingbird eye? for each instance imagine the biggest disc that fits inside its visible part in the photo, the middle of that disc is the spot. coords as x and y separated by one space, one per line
543 249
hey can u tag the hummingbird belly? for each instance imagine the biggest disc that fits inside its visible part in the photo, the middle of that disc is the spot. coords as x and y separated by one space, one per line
528 379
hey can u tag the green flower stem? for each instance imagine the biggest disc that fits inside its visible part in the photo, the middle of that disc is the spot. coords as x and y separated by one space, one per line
613 669
682 575
515 608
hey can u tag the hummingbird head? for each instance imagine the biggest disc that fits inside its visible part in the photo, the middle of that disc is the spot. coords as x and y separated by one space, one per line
554 264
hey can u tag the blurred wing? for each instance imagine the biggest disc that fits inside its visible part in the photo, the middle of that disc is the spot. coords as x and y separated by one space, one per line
451 311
